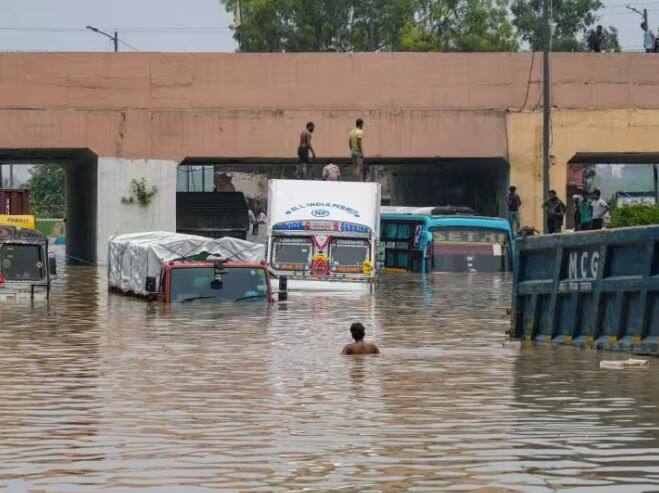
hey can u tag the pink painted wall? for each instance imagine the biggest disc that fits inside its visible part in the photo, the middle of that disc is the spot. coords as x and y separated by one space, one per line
254 105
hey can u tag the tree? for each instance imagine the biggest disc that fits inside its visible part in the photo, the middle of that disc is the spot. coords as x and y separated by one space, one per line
460 25
373 25
46 187
571 22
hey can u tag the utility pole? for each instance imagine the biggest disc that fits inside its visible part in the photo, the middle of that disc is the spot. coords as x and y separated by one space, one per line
115 38
546 108
643 14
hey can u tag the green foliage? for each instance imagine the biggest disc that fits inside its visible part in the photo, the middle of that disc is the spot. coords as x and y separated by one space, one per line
372 25
634 215
140 192
572 20
46 187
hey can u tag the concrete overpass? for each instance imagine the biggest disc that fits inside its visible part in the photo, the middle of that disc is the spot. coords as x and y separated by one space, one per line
110 118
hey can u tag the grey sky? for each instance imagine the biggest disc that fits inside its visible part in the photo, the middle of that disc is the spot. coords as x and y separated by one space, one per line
200 25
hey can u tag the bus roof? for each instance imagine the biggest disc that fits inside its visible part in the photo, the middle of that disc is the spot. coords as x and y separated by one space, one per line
448 221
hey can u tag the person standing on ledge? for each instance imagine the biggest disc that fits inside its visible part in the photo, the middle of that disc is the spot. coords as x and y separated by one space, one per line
513 201
355 142
305 148
360 346
555 212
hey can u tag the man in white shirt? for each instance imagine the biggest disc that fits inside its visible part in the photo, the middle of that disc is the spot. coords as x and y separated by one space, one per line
648 38
600 208
331 172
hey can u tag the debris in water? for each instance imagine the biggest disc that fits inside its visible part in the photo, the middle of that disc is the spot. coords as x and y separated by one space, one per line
629 363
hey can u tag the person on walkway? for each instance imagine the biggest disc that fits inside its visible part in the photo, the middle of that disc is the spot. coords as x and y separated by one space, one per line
252 220
360 346
331 172
595 39
576 215
648 38
600 208
355 142
513 202
305 148
261 218
555 212
586 214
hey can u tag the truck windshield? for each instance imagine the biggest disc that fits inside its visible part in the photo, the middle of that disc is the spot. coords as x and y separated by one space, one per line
234 283
348 255
22 262
470 250
292 253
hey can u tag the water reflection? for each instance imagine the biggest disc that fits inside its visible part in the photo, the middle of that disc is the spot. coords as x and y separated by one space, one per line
107 391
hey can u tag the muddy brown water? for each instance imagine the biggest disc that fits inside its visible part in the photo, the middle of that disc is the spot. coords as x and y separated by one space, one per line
104 392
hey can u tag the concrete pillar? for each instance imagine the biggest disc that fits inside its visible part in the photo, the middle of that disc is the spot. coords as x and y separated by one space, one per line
81 190
114 217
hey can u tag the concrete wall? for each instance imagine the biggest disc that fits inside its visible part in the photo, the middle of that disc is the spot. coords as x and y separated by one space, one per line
165 107
114 182
609 131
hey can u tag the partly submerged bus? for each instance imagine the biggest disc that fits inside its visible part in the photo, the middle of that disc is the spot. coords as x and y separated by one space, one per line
445 239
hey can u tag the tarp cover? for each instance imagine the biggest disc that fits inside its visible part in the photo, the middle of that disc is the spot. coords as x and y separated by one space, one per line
134 257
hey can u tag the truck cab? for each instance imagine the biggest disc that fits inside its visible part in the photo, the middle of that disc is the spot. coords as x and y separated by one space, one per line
212 281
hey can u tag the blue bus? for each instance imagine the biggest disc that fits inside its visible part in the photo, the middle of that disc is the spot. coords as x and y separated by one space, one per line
444 239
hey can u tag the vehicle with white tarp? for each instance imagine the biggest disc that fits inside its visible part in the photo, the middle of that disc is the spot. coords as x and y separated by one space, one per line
177 268
323 235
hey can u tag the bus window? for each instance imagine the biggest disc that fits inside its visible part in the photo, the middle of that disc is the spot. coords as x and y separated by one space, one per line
470 250
289 253
348 255
401 243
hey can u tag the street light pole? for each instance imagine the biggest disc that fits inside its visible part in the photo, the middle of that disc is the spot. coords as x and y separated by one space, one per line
115 38
546 108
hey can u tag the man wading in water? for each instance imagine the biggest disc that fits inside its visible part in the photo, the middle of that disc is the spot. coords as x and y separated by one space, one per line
359 346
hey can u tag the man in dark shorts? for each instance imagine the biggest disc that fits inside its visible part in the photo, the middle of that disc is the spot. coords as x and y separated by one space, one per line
359 346
305 148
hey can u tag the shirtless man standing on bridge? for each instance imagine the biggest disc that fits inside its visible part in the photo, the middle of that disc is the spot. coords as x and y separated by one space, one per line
359 346
305 148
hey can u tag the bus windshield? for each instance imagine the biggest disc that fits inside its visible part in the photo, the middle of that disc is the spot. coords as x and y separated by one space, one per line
22 262
348 255
471 250
230 284
289 253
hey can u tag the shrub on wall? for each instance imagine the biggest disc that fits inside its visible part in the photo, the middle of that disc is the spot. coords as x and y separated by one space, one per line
140 192
634 215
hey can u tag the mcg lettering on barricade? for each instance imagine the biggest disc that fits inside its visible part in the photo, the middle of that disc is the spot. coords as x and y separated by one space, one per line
580 268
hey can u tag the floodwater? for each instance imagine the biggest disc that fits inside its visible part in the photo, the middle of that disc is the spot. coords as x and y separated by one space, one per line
104 392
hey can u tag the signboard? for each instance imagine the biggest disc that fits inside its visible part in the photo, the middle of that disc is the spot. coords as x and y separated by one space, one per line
26 221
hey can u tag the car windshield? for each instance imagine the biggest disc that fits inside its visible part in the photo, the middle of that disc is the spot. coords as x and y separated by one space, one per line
22 262
292 253
348 255
225 284
470 250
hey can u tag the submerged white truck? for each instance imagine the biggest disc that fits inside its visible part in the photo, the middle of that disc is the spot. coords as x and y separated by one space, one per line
323 235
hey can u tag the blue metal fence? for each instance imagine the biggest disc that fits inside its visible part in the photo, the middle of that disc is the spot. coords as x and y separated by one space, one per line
595 288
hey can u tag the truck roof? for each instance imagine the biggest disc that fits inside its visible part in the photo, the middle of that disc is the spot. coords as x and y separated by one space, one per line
312 200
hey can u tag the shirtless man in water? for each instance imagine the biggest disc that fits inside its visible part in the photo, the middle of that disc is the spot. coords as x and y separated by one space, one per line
360 346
